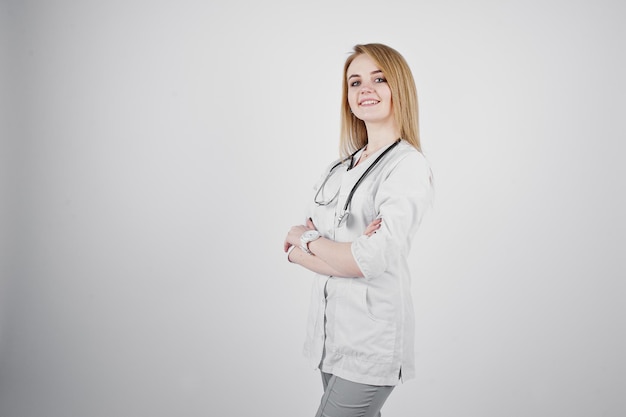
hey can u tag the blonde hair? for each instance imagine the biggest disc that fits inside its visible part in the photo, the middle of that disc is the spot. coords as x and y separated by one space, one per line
403 95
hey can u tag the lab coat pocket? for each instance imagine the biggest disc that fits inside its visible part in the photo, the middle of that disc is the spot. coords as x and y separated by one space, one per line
359 333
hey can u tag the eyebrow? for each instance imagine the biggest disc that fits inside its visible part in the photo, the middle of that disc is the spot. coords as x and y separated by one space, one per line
371 73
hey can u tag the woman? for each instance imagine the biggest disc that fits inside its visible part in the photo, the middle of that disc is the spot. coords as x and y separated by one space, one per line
363 215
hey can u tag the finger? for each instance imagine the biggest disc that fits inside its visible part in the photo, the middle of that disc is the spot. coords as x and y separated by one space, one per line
372 228
375 224
310 224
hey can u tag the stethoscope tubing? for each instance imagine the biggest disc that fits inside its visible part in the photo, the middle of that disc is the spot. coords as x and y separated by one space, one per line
367 171
344 212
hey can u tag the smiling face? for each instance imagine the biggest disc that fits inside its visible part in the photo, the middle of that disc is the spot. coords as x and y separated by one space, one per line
369 95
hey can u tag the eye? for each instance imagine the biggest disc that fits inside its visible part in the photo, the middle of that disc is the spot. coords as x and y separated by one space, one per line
380 80
355 83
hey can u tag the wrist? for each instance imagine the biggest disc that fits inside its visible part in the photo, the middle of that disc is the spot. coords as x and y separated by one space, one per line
291 249
308 237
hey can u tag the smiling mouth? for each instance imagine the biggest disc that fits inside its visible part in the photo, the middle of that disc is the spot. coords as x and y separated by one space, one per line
368 102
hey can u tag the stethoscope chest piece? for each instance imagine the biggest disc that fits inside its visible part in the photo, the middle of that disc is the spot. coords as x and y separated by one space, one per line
342 219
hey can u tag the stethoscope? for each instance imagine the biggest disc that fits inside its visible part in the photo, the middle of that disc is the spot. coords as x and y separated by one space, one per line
343 215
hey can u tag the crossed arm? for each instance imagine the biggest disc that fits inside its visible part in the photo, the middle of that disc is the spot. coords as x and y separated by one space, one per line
327 256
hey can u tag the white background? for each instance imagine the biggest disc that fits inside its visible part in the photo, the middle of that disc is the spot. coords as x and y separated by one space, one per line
155 153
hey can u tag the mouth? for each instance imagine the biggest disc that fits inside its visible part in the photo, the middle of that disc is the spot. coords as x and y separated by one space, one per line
369 102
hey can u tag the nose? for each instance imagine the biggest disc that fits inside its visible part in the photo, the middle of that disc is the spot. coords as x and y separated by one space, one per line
366 87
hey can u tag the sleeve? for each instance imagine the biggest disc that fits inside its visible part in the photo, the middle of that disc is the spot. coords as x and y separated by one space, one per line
401 201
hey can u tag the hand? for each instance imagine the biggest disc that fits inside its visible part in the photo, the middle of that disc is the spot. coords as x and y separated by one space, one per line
373 227
294 234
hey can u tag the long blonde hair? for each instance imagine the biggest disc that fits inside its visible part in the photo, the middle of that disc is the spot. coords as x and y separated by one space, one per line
403 95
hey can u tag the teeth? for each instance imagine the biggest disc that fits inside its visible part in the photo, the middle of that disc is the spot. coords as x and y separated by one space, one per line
366 102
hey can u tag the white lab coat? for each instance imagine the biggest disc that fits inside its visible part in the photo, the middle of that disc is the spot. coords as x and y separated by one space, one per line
362 329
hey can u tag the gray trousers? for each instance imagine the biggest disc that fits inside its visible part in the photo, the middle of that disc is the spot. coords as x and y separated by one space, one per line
349 399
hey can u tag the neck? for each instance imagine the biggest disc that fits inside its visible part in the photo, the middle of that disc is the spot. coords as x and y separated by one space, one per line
380 136
374 144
